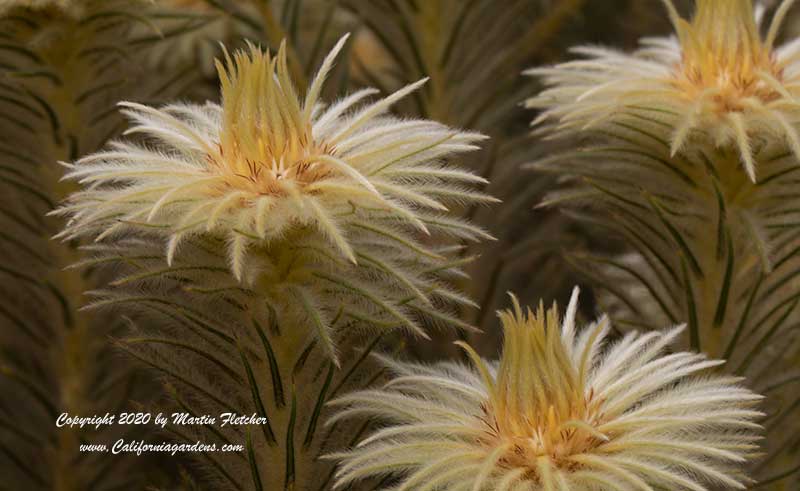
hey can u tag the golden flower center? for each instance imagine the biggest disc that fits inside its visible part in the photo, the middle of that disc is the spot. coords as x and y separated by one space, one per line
266 142
724 60
262 169
552 434
540 410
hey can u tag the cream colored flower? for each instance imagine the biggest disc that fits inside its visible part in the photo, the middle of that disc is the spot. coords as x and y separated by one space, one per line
560 412
718 81
318 211
266 163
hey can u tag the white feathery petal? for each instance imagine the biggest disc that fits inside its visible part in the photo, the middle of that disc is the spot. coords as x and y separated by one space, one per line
333 114
319 79
370 112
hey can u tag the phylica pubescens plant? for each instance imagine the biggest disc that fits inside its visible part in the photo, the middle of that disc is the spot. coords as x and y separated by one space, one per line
563 410
690 150
273 234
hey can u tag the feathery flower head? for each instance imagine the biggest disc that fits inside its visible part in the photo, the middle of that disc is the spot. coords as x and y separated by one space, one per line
265 163
559 412
719 79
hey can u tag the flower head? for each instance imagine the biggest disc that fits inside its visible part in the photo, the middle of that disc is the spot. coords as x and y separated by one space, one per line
559 412
266 162
718 80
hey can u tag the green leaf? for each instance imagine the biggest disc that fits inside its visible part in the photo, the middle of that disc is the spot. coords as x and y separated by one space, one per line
374 299
40 394
321 327
356 365
178 377
389 234
208 456
653 291
734 342
266 428
230 372
288 484
251 459
312 424
274 368
185 407
13 455
21 51
171 308
763 342
757 235
727 279
679 239
691 307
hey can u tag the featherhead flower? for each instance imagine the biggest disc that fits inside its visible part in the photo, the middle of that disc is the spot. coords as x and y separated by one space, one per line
559 412
719 79
265 163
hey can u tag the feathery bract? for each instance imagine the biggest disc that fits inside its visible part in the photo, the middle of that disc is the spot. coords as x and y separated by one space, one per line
265 162
318 210
718 81
560 411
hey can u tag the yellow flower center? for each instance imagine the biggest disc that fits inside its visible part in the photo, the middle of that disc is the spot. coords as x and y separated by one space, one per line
724 59
540 411
266 143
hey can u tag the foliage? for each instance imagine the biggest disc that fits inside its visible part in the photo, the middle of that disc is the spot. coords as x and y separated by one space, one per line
246 250
62 72
693 169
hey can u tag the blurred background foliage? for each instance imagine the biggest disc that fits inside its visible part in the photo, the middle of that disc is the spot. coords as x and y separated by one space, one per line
62 71
61 74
